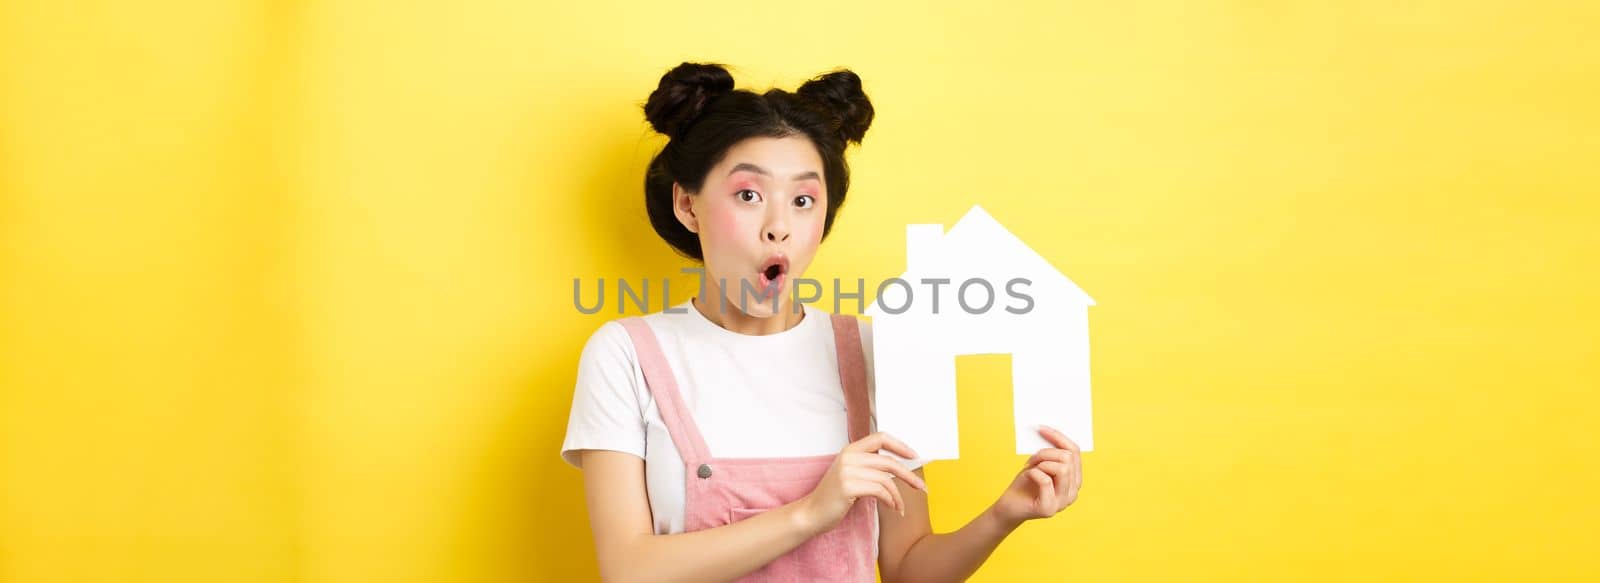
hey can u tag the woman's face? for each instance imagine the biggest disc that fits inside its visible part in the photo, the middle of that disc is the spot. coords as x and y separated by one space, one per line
759 215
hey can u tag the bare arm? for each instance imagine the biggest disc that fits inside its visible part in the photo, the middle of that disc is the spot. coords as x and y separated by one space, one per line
908 550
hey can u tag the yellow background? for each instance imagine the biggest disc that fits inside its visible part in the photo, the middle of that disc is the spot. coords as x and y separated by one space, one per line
285 287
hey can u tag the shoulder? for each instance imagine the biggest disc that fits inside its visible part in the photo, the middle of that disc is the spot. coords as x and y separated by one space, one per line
613 342
610 333
608 345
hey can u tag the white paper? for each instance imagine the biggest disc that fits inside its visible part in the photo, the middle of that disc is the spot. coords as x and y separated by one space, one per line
914 351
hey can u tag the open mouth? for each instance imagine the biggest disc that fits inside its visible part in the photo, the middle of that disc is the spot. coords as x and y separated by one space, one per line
772 274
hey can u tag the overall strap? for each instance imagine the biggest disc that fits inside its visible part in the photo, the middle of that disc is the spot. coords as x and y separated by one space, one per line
852 374
664 387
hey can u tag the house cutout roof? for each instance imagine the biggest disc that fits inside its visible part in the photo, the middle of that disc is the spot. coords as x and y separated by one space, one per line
978 246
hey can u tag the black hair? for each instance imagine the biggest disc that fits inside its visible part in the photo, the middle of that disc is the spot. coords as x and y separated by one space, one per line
703 116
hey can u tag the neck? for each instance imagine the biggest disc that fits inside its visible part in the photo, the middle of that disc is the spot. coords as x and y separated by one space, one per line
733 319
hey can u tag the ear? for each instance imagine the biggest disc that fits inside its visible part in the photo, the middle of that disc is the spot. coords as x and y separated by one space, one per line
683 207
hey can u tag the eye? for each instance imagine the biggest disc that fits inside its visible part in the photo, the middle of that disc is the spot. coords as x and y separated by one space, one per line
805 201
748 195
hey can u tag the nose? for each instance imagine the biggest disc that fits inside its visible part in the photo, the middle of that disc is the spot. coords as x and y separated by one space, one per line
777 230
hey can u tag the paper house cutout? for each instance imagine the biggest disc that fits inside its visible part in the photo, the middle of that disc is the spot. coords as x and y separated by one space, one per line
914 350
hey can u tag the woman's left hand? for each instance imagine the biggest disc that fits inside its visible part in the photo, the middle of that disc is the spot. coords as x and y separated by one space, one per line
1048 483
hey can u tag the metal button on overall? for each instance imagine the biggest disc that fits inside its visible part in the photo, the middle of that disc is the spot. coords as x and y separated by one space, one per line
705 471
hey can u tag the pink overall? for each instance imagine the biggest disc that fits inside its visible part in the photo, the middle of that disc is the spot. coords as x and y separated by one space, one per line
722 491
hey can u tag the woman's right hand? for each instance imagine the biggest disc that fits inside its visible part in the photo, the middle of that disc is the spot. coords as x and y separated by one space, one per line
859 470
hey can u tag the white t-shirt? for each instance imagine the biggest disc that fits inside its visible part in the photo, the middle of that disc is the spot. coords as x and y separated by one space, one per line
775 395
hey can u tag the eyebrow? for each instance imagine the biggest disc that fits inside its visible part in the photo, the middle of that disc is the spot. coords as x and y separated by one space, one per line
812 175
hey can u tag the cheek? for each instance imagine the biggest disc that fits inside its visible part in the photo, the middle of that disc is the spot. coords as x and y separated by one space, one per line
722 225
730 223
809 231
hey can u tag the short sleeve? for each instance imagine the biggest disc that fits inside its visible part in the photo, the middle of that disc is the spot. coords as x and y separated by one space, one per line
606 410
872 387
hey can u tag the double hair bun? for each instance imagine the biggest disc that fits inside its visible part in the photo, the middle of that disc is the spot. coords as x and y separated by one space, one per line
689 89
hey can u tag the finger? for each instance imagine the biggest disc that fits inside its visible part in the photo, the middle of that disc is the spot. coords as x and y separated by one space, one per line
1075 485
885 481
1039 456
1049 453
869 478
1059 474
882 441
1077 475
1057 438
1047 489
885 493
888 484
894 493
886 464
856 487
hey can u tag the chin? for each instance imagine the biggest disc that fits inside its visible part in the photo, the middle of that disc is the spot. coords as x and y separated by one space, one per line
760 308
